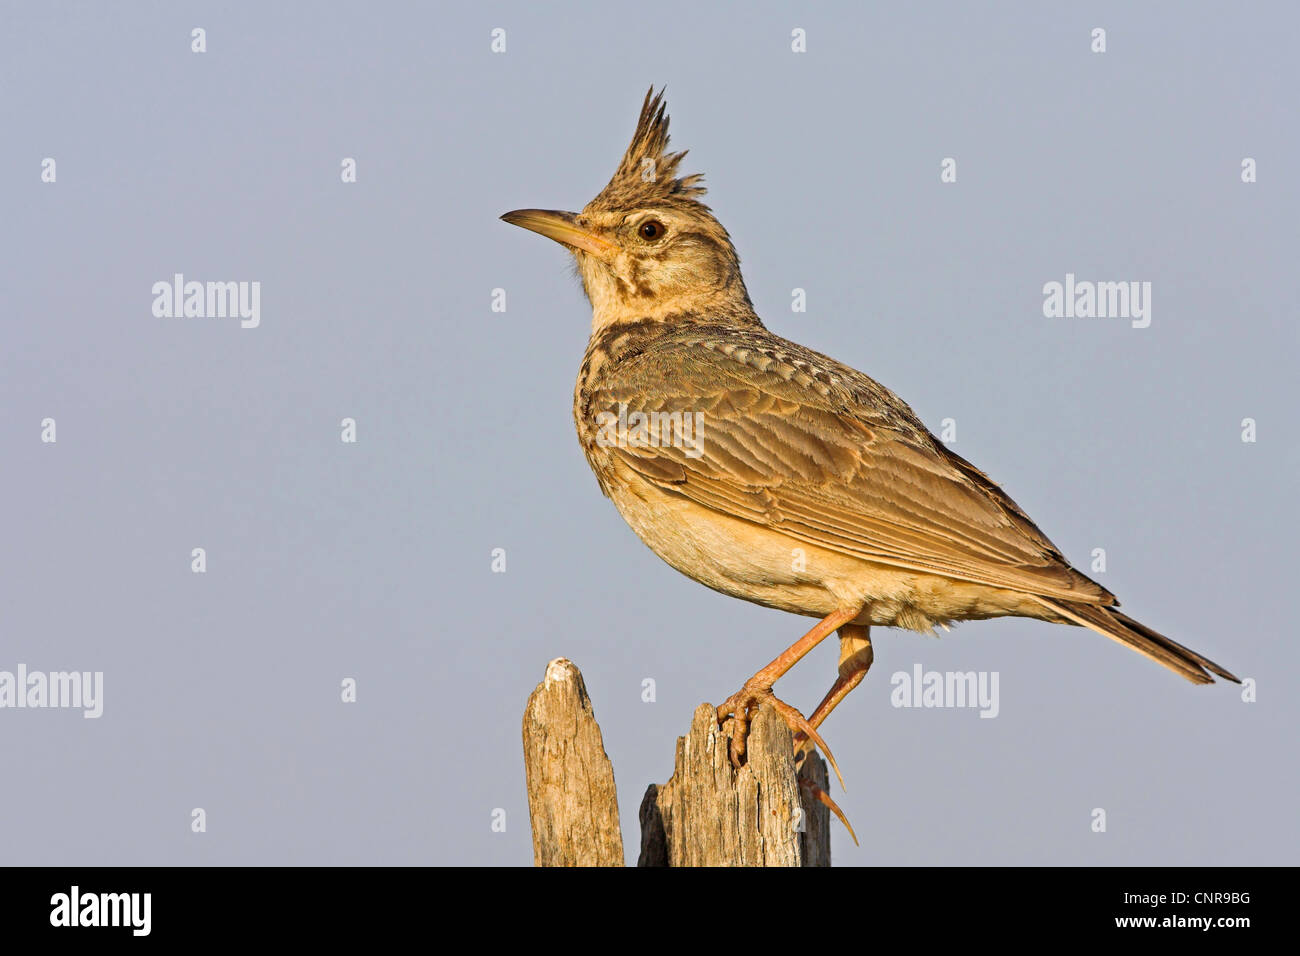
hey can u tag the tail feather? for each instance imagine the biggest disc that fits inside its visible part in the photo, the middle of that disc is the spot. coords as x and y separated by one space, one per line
1122 628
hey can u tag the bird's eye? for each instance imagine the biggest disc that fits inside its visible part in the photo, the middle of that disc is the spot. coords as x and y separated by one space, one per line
651 229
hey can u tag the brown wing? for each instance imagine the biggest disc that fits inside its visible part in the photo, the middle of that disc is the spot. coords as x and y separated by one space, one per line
791 440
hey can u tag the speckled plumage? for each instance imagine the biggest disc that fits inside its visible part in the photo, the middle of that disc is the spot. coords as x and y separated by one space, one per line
813 489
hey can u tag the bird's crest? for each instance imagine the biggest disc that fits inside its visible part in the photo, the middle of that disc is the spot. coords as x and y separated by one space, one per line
648 172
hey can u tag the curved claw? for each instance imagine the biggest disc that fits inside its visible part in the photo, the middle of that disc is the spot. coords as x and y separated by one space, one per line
824 798
797 722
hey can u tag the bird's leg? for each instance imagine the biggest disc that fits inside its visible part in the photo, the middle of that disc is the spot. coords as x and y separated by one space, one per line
856 656
758 689
855 659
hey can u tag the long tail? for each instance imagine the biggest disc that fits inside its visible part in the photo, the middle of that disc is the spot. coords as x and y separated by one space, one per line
1122 628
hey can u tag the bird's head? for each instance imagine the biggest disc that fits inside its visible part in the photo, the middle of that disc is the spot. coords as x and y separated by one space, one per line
646 247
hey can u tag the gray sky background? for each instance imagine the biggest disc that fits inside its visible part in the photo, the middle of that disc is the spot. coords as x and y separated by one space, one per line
372 561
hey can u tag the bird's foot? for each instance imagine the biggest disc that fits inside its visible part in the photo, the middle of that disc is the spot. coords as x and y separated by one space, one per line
741 707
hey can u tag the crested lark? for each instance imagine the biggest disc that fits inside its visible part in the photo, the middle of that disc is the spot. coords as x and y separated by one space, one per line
747 451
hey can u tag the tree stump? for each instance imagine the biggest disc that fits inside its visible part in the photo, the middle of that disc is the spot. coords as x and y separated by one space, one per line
708 814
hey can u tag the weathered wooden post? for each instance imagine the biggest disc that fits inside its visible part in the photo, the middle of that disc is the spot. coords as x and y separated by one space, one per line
571 799
708 814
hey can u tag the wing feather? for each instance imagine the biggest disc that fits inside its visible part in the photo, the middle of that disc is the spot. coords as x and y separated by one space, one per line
791 440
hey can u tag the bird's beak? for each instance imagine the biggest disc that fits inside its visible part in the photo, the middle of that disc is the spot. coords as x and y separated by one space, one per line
563 228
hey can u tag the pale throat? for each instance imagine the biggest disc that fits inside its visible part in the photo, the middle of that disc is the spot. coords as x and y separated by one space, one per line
614 300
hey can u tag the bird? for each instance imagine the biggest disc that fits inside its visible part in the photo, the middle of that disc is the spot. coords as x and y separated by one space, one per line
770 472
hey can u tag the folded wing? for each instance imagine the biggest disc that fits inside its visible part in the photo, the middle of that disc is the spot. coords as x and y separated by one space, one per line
789 439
